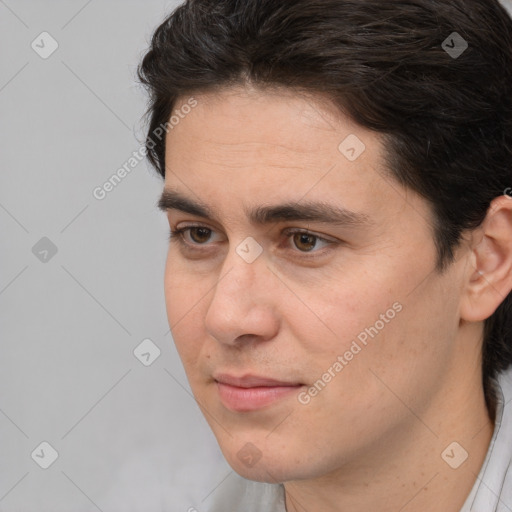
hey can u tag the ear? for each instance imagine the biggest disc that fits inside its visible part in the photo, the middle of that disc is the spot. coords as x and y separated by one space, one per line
489 278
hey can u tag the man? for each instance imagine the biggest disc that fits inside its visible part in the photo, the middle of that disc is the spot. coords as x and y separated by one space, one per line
337 178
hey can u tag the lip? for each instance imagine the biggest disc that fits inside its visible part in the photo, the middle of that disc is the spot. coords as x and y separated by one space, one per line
252 392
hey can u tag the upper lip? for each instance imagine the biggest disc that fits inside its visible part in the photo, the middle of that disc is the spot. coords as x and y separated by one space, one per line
251 381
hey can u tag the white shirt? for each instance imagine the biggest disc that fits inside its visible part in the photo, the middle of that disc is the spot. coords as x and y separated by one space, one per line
492 491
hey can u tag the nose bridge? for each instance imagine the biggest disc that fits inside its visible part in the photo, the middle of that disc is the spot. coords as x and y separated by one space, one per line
241 298
239 274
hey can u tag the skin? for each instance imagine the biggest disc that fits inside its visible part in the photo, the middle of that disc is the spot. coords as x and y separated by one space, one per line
372 438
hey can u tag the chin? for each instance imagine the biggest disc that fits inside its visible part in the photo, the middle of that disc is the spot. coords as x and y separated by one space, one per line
263 471
263 461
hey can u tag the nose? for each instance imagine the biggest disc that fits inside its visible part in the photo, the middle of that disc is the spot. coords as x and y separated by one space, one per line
244 303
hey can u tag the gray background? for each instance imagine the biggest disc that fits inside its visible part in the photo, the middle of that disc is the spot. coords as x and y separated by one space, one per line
129 437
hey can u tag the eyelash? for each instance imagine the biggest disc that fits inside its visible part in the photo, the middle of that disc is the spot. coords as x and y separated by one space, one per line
176 236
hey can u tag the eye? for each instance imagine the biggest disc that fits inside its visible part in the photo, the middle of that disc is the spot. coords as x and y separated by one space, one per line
306 241
198 234
194 237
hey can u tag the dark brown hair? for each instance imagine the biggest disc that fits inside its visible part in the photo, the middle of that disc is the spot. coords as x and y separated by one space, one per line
446 118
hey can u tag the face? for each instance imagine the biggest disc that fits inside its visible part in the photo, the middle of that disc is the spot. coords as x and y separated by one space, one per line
293 326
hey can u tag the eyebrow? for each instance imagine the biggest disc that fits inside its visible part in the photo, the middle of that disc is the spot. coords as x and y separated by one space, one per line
261 215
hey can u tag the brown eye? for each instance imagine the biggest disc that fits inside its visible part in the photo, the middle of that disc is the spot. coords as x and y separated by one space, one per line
193 237
200 235
199 238
304 241
309 245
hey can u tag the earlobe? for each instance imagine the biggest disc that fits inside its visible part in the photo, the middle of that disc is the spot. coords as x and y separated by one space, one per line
489 278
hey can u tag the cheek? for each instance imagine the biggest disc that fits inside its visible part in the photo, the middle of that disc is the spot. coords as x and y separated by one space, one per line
365 326
185 294
392 344
184 289
331 318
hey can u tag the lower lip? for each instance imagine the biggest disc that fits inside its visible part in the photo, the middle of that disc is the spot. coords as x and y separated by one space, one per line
251 399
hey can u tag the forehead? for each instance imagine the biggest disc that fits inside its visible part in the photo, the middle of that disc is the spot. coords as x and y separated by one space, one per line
241 148
280 136
277 117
